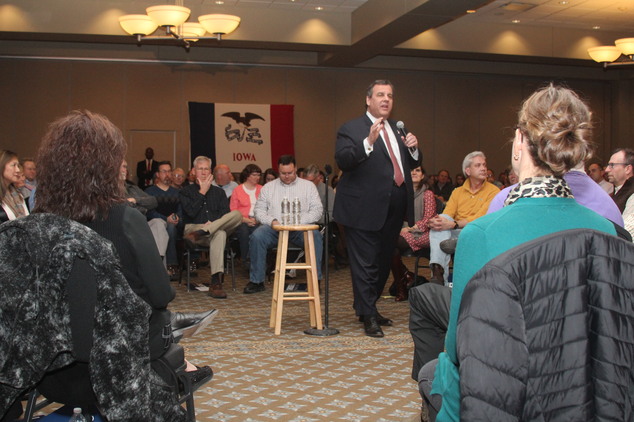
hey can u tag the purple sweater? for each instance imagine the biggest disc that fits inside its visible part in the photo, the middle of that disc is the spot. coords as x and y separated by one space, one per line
586 192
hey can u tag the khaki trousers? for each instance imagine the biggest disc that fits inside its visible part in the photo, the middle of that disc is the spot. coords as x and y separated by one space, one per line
217 239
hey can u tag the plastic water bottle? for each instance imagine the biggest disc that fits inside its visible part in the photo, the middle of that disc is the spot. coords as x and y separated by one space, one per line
297 210
77 415
286 211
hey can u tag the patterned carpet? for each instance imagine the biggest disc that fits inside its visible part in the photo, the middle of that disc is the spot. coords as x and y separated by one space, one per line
296 377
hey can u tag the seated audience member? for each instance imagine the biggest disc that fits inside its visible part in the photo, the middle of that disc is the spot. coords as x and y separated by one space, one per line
503 178
513 179
243 200
191 176
268 176
620 170
208 220
597 173
491 179
468 202
268 213
552 137
415 237
179 179
168 212
442 187
313 174
20 185
91 148
30 173
459 180
142 202
13 204
586 193
224 179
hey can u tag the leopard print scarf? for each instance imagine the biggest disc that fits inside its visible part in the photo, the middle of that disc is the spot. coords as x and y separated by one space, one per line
539 187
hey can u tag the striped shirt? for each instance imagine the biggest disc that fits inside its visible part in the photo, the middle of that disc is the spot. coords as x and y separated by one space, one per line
269 204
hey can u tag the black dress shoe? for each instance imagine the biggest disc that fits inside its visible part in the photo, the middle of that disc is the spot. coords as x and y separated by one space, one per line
253 287
201 375
189 324
380 319
371 326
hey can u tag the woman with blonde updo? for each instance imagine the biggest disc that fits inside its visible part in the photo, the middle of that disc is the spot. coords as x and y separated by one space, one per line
552 135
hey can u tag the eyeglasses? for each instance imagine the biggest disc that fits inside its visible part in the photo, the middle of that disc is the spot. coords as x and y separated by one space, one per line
611 165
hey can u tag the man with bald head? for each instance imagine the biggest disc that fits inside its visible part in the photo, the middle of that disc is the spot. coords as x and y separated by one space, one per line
222 179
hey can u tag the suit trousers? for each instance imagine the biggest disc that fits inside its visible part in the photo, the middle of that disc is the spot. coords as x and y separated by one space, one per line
370 254
217 239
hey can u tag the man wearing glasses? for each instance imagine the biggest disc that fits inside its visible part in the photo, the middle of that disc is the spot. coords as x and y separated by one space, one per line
620 170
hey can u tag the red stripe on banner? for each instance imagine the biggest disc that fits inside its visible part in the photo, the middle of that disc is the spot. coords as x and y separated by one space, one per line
282 132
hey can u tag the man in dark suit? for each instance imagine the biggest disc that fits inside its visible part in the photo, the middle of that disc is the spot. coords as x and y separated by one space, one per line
374 197
145 169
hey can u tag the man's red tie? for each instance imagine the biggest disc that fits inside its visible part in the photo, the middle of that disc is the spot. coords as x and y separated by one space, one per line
398 174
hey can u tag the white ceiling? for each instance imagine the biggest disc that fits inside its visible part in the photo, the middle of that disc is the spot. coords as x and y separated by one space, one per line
351 32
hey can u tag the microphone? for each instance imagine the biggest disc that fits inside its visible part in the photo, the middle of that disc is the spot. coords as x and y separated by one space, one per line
401 128
328 169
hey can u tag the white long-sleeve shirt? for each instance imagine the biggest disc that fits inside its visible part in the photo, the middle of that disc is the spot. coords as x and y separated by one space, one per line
269 204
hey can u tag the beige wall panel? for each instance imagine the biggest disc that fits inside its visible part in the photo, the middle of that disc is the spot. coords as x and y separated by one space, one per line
100 88
8 109
42 91
414 106
153 96
499 99
261 85
456 105
312 92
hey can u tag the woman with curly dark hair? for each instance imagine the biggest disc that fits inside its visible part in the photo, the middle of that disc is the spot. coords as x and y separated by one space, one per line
78 178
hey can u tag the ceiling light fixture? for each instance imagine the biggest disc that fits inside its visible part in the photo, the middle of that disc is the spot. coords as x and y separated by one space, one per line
173 19
608 54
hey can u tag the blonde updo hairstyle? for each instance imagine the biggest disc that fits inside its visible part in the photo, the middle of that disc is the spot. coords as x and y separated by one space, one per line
557 128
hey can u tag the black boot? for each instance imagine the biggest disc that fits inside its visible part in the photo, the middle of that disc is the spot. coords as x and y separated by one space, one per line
438 274
398 270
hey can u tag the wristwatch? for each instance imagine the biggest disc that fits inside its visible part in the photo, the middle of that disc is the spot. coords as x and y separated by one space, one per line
456 226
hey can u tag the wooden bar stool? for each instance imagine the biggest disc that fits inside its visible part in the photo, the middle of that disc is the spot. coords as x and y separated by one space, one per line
310 265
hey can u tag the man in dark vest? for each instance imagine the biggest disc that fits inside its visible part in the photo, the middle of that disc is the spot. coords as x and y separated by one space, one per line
620 170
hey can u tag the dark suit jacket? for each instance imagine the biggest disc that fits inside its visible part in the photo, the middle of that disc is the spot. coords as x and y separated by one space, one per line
142 173
363 192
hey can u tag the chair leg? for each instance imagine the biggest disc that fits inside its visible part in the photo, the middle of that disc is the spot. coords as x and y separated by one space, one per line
188 256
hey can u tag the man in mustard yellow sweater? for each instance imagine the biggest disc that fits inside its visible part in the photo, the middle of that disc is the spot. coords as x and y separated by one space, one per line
467 202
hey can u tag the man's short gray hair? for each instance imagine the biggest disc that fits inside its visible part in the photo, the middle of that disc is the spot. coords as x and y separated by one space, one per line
466 163
202 158
311 170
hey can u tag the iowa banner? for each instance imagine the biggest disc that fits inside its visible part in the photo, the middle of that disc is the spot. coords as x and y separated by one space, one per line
240 134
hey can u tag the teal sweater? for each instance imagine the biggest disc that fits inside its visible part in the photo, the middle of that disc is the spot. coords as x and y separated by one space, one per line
483 240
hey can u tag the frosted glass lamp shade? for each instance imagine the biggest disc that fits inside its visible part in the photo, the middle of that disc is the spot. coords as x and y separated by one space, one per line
219 24
168 15
604 53
137 24
191 29
625 45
